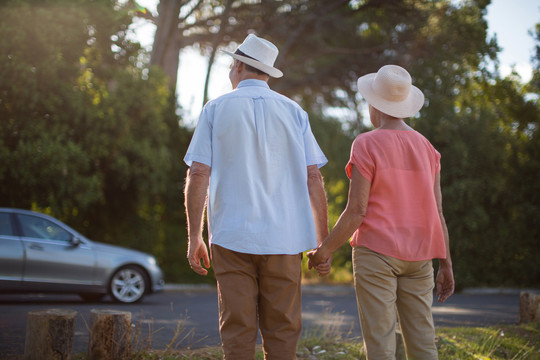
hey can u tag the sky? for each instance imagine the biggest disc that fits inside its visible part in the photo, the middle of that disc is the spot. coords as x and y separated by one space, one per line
509 20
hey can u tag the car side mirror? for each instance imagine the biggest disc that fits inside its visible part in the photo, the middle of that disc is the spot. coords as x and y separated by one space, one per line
76 241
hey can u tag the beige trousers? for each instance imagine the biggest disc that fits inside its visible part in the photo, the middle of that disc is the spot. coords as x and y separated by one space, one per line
388 289
258 291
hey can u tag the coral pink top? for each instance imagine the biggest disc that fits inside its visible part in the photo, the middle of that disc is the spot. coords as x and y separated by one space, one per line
401 220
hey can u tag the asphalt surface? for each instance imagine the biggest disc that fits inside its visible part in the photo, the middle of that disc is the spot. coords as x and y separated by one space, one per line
187 316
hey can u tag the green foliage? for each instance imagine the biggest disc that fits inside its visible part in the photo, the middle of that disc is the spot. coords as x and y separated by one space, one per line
86 134
484 126
534 85
335 141
89 133
36 151
486 130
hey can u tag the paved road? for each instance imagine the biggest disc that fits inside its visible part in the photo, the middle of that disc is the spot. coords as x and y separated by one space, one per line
194 313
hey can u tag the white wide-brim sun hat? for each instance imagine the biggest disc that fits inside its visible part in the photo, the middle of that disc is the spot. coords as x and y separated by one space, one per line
390 91
260 53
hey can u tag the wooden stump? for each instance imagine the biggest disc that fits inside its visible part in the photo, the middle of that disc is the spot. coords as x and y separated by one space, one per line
110 335
529 307
49 334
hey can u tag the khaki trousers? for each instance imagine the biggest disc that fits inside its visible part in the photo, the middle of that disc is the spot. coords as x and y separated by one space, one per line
258 291
385 285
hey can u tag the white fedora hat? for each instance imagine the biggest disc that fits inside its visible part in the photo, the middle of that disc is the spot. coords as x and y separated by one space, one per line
259 53
390 90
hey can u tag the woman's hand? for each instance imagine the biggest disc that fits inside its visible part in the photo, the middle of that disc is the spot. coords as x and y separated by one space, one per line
445 281
320 261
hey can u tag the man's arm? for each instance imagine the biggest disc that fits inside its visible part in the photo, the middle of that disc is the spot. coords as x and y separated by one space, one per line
197 181
319 207
445 275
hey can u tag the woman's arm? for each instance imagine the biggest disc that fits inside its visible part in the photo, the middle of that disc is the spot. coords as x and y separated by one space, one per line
445 275
348 222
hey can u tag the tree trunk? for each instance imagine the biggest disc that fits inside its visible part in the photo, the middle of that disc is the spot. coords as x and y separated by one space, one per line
110 335
167 44
49 334
215 43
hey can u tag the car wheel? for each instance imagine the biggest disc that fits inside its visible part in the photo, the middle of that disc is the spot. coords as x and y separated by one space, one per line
91 297
128 284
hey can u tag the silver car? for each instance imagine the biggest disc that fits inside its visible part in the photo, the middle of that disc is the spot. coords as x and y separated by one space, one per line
39 253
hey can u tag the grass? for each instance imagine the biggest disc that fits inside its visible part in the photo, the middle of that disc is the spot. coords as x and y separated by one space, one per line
504 342
508 342
514 342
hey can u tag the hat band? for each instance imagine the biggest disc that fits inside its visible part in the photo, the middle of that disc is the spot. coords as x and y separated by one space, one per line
241 53
390 89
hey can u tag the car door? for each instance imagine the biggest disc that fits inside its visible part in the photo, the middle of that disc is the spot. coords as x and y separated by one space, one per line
11 252
52 257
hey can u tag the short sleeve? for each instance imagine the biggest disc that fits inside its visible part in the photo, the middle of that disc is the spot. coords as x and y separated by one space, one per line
314 154
360 158
435 157
200 147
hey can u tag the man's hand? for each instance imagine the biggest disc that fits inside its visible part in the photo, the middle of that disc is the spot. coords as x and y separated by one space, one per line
197 250
319 261
445 282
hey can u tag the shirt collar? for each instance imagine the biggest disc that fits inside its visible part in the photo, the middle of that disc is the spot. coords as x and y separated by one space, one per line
253 82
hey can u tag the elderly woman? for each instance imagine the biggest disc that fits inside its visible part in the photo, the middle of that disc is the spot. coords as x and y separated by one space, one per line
394 209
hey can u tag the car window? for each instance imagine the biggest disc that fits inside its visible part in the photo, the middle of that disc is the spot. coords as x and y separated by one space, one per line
5 225
36 227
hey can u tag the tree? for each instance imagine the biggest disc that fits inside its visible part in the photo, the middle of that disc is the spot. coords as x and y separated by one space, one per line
85 134
167 43
534 85
486 129
89 131
326 46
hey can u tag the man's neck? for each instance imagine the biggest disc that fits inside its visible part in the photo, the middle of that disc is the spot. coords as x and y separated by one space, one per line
249 75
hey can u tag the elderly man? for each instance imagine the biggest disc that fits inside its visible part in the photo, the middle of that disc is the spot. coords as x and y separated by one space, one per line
254 149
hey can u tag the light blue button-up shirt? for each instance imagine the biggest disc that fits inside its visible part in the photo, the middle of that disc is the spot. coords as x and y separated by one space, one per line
258 144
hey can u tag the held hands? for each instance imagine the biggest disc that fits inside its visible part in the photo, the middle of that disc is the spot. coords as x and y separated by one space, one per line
319 261
197 251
